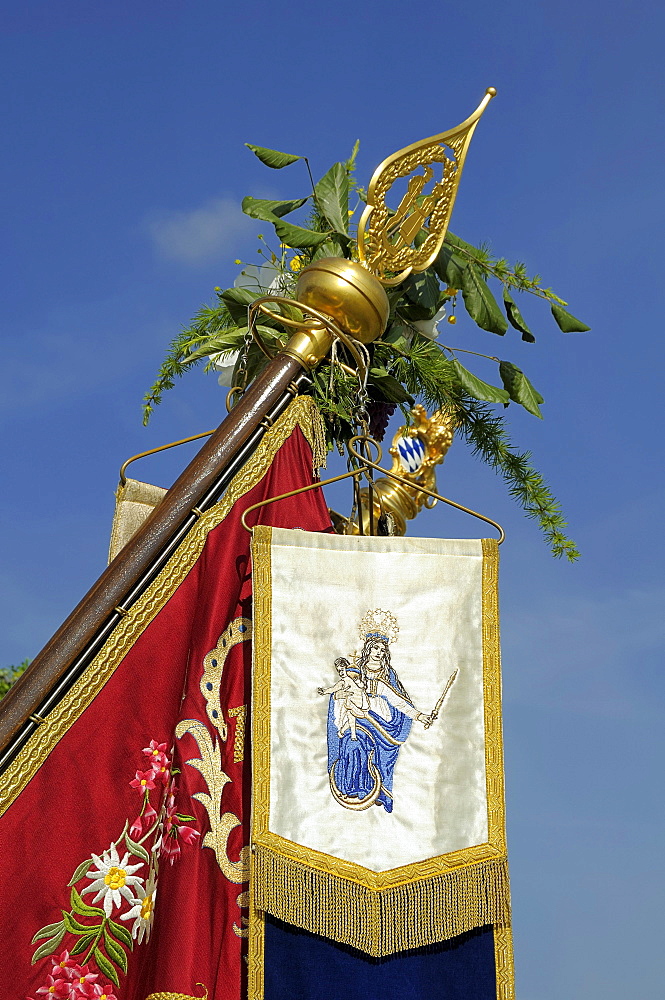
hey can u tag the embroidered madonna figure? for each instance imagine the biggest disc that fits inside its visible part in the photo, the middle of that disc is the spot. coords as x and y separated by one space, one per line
369 718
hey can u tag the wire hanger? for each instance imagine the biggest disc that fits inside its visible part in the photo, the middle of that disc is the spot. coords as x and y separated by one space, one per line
366 464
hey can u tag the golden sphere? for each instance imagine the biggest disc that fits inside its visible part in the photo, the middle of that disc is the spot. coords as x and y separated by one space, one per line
349 294
452 319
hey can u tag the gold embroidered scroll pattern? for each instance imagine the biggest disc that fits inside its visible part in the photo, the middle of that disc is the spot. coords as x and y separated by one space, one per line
179 996
240 630
301 413
210 766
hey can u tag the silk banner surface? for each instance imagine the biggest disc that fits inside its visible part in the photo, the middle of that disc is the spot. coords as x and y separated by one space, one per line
378 808
125 818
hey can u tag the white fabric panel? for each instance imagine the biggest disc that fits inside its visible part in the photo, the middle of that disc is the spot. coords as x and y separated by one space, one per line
322 585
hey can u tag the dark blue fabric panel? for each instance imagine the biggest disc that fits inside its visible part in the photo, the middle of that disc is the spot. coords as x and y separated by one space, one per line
303 966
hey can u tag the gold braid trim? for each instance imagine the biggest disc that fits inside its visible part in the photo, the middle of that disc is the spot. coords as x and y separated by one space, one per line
381 923
303 413
178 996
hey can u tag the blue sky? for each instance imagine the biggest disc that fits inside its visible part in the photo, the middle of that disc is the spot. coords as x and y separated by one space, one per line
122 173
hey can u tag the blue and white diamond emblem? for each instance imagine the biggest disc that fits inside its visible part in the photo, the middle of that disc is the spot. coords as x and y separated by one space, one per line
411 452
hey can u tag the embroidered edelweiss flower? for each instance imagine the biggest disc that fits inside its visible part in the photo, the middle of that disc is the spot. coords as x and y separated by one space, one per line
143 910
113 879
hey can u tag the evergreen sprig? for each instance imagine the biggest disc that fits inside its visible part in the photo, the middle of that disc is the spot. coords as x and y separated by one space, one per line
405 364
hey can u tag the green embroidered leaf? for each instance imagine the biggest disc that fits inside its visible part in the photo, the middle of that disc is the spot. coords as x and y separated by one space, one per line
332 196
272 158
73 925
84 909
115 952
477 388
519 388
515 317
480 304
297 237
137 849
121 933
83 944
47 931
105 966
80 871
568 323
267 211
184 818
48 947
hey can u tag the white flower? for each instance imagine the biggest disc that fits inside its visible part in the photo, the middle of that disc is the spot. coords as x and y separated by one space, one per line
113 879
430 327
143 910
224 362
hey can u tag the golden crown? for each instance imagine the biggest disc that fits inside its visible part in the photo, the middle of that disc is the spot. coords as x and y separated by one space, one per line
379 624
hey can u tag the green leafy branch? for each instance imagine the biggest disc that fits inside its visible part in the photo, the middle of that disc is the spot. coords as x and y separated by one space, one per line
404 364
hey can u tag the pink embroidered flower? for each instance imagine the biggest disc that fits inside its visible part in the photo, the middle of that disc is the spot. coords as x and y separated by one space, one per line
83 977
136 829
162 771
170 849
156 752
99 992
188 834
64 966
56 988
149 813
144 781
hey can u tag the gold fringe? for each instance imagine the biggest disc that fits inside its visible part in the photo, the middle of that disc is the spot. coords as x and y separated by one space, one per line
381 923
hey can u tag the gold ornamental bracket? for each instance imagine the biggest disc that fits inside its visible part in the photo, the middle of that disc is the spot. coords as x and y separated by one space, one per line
386 238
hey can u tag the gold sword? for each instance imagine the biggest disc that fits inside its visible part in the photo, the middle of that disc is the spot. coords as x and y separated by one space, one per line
441 700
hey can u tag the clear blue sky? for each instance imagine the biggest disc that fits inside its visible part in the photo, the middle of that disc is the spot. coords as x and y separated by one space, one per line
123 165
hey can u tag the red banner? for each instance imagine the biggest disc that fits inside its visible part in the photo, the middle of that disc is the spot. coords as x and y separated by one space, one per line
124 849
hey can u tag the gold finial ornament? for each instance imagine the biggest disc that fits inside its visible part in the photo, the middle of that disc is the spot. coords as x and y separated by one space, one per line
385 238
347 292
416 451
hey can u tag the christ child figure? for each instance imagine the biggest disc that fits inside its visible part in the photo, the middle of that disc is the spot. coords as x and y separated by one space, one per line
351 700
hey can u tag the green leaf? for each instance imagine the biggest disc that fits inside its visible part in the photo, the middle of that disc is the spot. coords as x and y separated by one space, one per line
389 388
83 944
47 931
423 290
450 267
566 322
73 925
115 951
398 335
332 197
80 871
137 849
105 966
480 303
268 211
515 317
477 388
217 345
121 933
297 237
519 388
237 300
48 947
84 909
272 158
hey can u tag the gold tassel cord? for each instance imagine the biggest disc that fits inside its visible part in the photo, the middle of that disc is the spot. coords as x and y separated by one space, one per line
381 923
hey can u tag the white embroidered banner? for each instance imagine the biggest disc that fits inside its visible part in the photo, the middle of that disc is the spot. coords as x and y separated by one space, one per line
377 760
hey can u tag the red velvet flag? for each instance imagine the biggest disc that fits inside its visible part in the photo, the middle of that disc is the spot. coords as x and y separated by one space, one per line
123 841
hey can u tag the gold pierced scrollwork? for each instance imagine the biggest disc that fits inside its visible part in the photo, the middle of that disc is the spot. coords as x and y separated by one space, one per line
221 824
385 238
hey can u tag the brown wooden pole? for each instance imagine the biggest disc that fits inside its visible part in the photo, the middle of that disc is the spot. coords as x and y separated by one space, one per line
140 553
